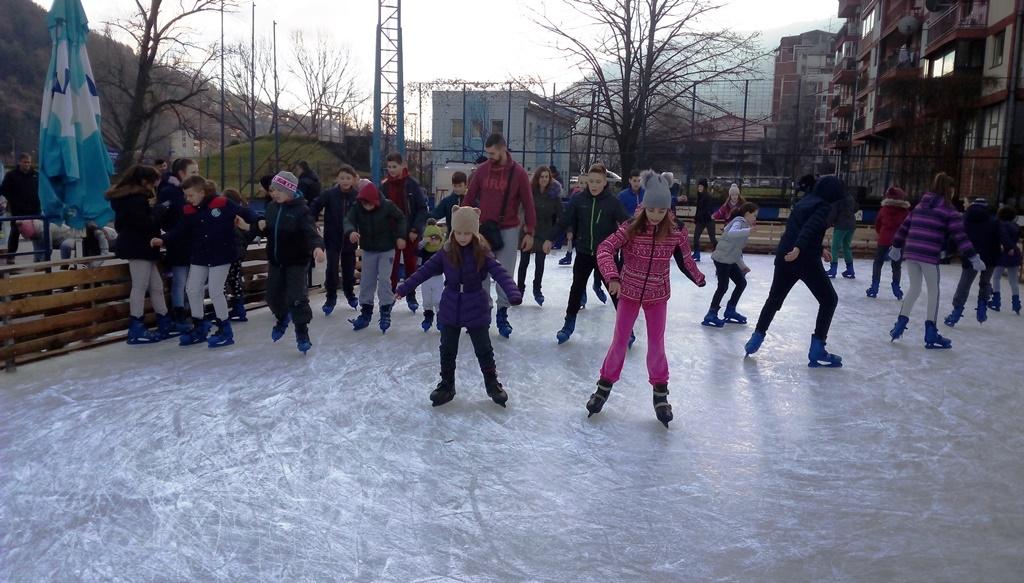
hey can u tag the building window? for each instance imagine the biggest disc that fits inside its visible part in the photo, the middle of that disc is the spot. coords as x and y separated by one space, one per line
497 126
457 128
868 24
944 65
992 126
973 135
478 129
998 42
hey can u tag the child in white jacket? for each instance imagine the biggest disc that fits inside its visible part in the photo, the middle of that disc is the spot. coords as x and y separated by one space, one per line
729 265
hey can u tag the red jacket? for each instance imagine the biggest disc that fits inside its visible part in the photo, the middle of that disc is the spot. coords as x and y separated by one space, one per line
487 190
890 217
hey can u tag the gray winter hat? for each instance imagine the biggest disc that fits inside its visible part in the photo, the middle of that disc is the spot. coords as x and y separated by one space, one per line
287 182
657 193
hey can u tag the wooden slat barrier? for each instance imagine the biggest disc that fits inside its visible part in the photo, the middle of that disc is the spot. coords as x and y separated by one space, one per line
766 235
60 306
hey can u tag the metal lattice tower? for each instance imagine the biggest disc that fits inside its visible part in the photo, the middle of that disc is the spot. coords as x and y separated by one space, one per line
388 87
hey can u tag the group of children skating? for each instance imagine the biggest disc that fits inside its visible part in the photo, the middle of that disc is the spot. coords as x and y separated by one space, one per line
987 243
632 252
201 229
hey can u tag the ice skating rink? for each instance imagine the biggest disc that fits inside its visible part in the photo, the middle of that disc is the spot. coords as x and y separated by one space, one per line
254 463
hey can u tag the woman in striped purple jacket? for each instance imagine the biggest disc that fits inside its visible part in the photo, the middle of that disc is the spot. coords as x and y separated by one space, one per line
920 240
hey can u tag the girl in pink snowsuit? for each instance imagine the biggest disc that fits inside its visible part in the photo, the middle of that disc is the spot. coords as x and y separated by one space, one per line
647 243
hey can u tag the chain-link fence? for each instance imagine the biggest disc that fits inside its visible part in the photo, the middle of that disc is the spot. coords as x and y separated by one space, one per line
759 133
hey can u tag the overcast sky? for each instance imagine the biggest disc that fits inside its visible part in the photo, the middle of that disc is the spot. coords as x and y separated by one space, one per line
477 40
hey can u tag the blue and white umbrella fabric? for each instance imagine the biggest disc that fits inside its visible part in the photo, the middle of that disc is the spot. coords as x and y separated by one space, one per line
74 165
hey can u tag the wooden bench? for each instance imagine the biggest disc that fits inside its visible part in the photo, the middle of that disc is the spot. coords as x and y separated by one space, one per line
57 307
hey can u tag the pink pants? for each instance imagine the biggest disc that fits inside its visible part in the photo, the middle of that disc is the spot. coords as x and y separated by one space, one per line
625 317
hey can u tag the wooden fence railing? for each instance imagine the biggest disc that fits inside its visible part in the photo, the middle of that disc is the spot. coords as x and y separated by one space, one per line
57 307
60 306
766 237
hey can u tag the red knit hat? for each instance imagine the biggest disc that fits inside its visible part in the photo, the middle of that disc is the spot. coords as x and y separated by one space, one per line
369 194
895 193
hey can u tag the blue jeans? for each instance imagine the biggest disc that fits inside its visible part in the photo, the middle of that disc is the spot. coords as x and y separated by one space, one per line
179 277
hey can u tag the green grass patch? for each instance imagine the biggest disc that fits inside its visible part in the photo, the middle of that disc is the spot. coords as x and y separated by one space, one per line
292 149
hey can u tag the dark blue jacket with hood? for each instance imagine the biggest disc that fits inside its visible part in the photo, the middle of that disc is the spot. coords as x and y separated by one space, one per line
809 220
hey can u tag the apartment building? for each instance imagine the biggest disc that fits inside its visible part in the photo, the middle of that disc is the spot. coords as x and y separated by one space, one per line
920 86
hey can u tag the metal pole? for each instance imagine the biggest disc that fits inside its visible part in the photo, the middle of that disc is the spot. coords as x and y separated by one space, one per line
641 161
796 132
1010 116
375 144
419 132
525 144
590 133
554 88
252 113
400 98
507 130
223 137
277 120
743 135
693 134
463 122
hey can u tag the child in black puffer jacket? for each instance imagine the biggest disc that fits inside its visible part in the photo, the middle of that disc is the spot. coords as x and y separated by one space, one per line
291 238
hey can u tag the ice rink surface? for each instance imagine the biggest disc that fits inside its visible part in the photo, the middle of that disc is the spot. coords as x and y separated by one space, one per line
254 463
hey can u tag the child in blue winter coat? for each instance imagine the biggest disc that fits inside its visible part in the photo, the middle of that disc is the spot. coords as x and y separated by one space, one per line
208 229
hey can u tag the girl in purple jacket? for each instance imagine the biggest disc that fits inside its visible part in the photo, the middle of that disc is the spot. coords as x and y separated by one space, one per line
920 240
466 262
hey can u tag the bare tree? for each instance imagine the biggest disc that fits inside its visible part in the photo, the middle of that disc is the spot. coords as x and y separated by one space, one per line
165 70
643 59
326 75
249 84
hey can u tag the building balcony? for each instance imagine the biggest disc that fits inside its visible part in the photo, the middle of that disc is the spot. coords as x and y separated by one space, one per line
890 116
864 83
848 8
899 65
846 34
961 21
897 11
842 107
838 140
845 71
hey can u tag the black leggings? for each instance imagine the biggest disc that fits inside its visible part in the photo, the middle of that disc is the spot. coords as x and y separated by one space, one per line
234 286
726 272
881 256
582 267
812 273
538 270
698 228
481 338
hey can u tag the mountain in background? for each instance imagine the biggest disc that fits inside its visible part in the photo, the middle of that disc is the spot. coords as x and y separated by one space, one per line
26 47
